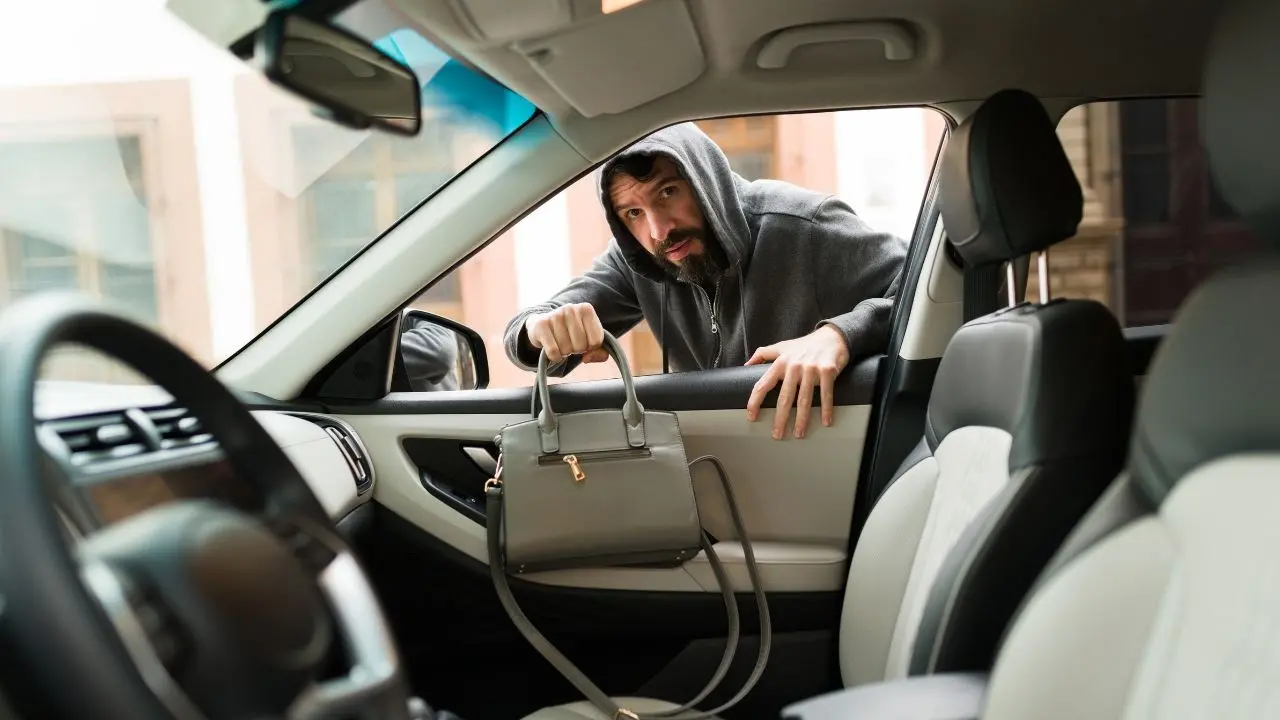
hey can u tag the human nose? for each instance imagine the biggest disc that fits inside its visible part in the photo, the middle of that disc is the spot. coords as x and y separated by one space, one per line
660 227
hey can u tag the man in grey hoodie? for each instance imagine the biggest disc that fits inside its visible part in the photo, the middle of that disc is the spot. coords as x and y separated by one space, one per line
726 272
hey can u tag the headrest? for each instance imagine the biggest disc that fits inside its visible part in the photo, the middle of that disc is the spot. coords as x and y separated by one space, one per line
1213 388
1007 188
1240 108
1056 377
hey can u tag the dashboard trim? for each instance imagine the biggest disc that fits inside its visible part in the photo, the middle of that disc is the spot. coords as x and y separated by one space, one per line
317 418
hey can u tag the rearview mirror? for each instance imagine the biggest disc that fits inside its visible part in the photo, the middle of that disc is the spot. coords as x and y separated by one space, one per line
435 353
349 80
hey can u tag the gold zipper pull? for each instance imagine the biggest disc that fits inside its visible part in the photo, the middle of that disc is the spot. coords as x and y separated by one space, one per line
578 474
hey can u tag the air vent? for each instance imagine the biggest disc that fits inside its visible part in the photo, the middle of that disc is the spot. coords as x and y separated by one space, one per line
349 445
100 437
354 454
176 427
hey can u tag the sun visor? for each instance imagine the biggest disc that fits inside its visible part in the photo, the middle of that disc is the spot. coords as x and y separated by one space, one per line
594 65
504 20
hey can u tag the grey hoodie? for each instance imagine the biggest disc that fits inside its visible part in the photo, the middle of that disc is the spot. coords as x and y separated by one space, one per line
797 259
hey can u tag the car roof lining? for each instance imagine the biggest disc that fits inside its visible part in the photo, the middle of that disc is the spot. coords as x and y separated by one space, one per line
965 50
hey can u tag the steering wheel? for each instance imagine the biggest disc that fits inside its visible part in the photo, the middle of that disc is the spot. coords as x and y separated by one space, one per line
254 609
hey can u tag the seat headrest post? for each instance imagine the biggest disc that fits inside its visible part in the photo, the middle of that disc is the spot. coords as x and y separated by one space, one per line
1042 268
1011 281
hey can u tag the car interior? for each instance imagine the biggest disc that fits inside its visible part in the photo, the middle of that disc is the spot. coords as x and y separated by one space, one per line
1026 506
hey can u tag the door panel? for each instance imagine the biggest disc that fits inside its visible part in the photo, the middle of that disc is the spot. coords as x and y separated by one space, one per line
796 496
657 630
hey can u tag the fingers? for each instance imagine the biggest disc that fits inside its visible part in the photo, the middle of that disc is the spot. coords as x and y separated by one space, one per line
569 330
762 388
763 355
577 330
595 356
560 343
785 397
827 380
595 331
804 399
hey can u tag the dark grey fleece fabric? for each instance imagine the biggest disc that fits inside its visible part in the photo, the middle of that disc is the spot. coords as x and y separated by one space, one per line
796 259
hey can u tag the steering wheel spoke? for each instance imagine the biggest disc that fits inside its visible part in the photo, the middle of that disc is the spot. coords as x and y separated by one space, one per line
373 674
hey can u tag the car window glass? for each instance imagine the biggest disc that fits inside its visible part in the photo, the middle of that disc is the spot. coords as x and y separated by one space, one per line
1154 224
878 161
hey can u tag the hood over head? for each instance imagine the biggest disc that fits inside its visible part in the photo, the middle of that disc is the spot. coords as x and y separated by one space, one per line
717 188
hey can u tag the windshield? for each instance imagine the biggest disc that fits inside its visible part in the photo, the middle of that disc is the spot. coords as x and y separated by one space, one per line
145 165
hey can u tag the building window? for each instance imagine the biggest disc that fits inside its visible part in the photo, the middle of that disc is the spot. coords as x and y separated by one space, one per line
1168 228
1144 161
748 142
378 182
81 221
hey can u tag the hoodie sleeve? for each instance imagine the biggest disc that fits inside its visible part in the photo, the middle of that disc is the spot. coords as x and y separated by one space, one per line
859 277
608 285
430 352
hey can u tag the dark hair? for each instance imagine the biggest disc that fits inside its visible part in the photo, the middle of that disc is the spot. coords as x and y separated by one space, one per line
641 166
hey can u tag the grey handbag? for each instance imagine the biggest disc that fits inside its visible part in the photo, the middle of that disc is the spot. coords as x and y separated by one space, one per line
601 488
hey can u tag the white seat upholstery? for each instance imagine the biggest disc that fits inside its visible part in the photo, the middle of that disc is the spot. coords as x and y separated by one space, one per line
1027 424
1170 605
1166 601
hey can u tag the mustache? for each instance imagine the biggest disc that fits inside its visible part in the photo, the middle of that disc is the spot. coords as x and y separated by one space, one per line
675 237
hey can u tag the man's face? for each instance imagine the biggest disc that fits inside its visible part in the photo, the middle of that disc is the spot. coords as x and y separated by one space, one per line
662 213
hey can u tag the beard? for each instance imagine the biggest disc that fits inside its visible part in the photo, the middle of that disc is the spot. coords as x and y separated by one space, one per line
696 267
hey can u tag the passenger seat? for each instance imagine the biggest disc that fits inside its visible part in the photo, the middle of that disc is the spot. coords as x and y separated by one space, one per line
1027 424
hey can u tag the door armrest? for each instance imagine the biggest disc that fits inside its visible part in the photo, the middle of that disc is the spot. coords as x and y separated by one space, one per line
957 696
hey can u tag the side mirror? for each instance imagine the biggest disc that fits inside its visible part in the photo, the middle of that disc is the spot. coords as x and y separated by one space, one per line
349 80
435 353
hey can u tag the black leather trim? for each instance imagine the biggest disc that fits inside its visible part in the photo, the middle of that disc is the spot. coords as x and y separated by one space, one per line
1143 341
720 389
1007 186
1055 376
1240 108
1120 504
936 697
918 454
1214 385
992 568
903 400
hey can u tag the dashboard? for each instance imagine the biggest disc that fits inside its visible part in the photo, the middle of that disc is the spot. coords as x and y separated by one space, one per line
120 498
127 449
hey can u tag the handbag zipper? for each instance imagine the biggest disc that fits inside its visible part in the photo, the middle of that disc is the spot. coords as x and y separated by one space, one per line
575 461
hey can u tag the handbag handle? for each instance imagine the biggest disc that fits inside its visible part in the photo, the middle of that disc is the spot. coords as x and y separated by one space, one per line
632 410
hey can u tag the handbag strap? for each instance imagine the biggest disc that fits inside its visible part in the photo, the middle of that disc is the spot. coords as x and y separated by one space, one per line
497 571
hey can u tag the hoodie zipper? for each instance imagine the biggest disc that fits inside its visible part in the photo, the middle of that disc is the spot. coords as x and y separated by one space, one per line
715 320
